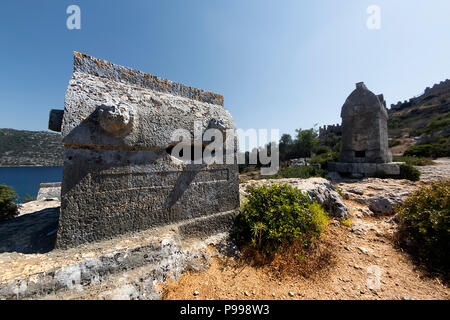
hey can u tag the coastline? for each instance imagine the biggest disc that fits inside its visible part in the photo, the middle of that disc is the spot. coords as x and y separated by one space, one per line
27 179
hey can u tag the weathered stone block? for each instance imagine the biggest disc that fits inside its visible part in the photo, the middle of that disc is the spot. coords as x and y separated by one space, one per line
119 175
49 191
392 168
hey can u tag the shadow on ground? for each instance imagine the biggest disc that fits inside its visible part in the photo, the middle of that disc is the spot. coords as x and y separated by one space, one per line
30 233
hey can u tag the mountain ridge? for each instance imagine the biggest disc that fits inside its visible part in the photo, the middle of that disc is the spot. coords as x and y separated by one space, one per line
30 148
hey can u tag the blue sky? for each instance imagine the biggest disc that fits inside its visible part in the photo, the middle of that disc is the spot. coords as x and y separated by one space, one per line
279 64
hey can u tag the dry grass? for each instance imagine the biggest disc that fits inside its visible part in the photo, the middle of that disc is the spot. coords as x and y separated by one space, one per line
292 260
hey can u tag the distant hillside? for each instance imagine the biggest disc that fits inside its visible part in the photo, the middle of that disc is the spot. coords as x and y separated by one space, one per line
423 121
30 148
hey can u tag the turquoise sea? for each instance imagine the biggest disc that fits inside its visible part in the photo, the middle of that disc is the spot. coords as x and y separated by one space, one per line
26 180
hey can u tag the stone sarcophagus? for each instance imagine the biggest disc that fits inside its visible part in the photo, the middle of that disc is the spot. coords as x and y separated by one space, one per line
364 150
119 175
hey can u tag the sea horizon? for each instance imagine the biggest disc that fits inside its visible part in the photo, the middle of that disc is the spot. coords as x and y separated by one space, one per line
26 179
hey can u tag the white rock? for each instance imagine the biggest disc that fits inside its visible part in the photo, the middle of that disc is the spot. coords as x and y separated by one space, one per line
363 250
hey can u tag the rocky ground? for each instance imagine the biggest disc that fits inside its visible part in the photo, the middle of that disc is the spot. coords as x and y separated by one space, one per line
366 266
136 266
438 172
366 262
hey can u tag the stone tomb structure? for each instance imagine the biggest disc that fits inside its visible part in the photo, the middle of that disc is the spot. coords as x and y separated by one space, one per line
365 150
49 191
119 175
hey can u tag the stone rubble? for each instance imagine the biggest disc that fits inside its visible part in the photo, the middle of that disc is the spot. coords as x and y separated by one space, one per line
379 195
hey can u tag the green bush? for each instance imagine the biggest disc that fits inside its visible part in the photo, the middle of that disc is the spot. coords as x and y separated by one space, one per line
394 123
421 150
272 216
425 219
415 161
8 209
324 158
440 148
393 143
409 172
303 172
441 123
320 149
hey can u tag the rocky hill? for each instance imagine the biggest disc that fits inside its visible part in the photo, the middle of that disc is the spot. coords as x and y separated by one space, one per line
30 148
423 121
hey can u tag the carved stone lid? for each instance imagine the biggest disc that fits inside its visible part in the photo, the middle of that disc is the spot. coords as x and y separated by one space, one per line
110 106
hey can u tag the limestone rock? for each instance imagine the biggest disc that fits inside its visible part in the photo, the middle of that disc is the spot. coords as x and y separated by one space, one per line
379 195
128 267
383 205
363 250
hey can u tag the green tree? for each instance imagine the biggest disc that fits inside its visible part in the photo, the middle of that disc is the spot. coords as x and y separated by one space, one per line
8 209
305 142
285 147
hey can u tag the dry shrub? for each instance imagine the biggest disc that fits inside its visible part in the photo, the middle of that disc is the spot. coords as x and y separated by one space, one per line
292 260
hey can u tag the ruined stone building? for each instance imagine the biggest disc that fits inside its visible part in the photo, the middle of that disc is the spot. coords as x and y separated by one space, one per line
364 150
335 129
364 128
